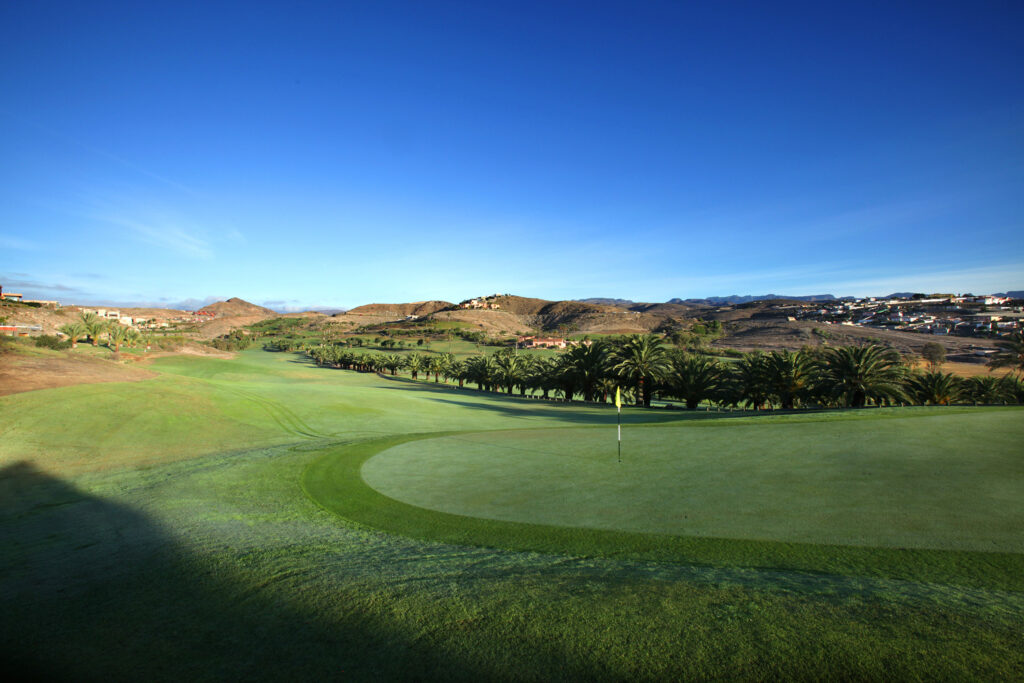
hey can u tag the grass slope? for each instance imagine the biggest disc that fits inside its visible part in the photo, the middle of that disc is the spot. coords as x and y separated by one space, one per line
210 562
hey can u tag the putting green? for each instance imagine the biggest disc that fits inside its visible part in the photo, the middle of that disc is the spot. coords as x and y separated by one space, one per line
952 481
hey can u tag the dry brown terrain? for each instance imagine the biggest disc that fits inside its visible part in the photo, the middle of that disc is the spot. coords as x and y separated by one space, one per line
490 322
48 318
237 307
29 373
525 315
218 327
774 335
400 310
305 314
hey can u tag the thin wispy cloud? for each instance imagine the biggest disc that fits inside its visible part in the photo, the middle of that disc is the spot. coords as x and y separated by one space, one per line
166 236
35 288
130 165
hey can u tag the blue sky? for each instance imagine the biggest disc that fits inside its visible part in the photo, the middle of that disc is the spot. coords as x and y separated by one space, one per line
332 154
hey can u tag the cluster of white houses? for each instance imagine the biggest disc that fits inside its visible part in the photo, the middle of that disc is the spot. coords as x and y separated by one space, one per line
952 315
528 342
147 322
484 302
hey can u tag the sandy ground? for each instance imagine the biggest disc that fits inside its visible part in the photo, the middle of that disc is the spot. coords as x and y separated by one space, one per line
29 373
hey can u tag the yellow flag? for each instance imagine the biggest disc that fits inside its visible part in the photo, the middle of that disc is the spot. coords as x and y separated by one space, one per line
618 398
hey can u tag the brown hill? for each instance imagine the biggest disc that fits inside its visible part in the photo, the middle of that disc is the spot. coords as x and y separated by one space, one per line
234 307
518 314
400 310
670 310
494 323
223 325
520 305
305 314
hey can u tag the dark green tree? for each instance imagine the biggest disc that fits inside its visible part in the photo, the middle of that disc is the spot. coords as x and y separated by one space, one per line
852 375
693 378
642 362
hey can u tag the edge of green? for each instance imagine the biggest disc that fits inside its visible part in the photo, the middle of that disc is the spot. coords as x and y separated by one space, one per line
334 482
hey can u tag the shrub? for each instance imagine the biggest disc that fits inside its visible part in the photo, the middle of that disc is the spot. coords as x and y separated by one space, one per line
49 341
283 345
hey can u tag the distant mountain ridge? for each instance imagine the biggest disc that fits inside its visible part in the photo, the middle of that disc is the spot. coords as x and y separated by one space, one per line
625 303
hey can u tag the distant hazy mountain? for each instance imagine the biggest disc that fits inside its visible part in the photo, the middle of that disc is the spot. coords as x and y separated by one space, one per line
745 299
607 302
1014 294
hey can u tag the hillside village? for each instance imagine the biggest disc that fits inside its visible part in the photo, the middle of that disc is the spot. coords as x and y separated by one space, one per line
966 326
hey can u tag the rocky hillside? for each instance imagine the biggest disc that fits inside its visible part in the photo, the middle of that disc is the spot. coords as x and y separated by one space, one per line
236 307
400 310
516 314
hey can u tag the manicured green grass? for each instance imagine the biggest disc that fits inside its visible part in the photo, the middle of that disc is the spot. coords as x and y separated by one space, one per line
910 482
160 530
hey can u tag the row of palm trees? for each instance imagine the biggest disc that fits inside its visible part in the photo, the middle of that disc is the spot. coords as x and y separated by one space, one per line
90 326
642 366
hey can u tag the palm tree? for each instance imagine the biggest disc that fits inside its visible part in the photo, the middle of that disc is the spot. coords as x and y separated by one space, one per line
642 361
446 361
511 370
416 364
693 378
855 374
791 376
456 369
748 381
589 363
1010 354
543 375
117 335
1015 388
94 327
526 380
74 332
607 386
134 337
478 371
436 365
393 362
563 381
988 389
936 388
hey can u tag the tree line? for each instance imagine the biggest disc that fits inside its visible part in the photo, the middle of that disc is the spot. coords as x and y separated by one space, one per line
643 367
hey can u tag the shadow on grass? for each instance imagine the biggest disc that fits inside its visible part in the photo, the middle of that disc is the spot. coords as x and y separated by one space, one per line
526 407
93 590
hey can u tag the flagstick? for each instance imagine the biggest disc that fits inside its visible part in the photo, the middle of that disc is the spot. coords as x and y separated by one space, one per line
618 411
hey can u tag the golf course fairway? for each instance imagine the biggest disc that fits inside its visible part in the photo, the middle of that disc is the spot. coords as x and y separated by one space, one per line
262 518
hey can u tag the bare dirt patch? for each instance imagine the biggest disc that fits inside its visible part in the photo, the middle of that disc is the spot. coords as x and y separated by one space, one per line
189 348
29 373
218 327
